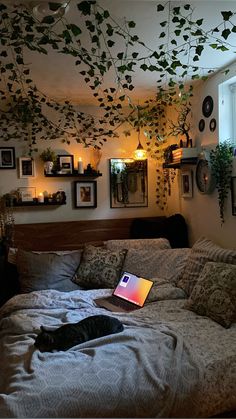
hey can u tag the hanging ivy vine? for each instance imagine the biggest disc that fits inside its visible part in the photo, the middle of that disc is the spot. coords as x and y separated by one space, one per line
28 114
23 112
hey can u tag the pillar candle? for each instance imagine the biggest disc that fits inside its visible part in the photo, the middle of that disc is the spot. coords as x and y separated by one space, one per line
41 198
80 166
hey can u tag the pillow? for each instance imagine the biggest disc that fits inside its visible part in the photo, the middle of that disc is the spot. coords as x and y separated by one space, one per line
214 294
99 267
47 270
137 244
203 251
165 263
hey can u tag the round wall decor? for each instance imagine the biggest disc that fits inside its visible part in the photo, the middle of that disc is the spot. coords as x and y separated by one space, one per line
207 106
201 125
212 124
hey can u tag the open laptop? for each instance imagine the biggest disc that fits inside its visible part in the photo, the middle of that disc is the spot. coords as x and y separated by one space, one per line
130 294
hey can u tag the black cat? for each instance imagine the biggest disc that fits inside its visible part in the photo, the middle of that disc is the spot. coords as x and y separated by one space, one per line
72 334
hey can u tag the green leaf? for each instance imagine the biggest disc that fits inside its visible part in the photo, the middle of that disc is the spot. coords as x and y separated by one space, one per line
187 6
85 7
199 22
233 29
162 35
131 24
54 6
176 10
225 33
48 19
214 46
120 55
160 7
144 67
74 29
227 15
110 43
199 49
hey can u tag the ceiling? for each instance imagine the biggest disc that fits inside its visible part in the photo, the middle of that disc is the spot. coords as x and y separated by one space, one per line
56 74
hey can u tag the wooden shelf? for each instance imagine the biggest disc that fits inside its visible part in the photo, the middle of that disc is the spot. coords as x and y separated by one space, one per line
75 174
37 204
183 162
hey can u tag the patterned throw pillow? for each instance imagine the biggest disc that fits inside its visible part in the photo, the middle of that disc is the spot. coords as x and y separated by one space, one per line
214 294
162 263
138 244
99 267
203 251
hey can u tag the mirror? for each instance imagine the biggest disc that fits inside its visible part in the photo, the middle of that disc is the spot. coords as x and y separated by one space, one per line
128 183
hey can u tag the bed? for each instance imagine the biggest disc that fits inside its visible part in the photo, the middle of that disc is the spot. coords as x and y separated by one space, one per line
170 361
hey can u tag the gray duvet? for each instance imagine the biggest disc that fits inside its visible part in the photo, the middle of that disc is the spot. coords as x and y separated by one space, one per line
168 362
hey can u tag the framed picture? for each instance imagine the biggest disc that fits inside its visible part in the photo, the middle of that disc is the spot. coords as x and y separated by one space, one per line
233 194
7 158
27 194
26 167
66 164
85 193
187 184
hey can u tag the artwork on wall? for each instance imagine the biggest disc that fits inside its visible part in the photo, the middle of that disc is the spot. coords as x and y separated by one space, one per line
233 194
27 194
207 106
26 167
201 125
187 184
85 194
128 183
212 125
66 164
7 158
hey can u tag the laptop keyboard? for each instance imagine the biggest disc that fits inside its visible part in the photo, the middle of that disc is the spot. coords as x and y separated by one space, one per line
121 303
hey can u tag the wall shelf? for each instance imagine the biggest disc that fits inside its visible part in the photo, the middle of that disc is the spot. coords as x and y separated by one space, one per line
75 174
182 162
36 204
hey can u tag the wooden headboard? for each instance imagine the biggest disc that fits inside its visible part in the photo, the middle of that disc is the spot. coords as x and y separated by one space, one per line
71 235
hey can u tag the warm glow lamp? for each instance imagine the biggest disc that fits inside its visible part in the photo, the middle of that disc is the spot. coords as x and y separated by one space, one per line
140 153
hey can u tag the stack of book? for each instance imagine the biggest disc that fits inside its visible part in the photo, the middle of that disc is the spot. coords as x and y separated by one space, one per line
185 155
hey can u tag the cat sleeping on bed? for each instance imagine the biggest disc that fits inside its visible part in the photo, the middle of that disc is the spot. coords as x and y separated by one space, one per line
73 334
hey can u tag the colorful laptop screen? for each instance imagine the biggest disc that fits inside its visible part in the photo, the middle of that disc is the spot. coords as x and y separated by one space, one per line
133 288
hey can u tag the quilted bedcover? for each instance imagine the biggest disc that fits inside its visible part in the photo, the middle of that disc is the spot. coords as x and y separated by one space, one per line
168 362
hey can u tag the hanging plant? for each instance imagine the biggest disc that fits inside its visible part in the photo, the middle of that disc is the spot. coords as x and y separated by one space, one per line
114 47
221 159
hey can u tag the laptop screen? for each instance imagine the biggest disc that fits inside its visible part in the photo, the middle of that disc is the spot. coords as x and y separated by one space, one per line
133 288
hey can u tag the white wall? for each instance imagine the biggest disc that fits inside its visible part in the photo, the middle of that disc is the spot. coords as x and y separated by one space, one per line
202 211
122 147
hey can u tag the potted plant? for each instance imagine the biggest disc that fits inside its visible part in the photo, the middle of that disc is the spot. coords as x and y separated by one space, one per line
221 159
49 158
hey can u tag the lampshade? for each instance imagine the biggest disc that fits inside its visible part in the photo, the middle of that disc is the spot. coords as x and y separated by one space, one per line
140 153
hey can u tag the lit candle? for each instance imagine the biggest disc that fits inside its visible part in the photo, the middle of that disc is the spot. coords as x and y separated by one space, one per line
41 197
80 166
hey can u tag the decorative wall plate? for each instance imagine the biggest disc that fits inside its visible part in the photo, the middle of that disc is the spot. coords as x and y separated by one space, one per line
201 125
207 106
212 124
204 179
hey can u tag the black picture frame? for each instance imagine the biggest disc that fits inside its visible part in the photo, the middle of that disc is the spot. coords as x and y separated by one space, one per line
85 194
66 163
201 125
7 158
212 124
207 106
233 194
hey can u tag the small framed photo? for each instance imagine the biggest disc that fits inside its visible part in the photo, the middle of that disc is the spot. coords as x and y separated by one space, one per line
26 167
66 164
233 194
187 184
85 193
7 158
27 194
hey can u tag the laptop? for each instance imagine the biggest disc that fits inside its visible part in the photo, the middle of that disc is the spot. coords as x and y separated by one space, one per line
130 294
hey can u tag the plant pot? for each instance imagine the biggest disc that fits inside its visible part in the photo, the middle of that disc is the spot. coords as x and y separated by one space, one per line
48 166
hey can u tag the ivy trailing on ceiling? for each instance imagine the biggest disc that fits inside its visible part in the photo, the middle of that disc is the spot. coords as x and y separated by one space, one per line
24 109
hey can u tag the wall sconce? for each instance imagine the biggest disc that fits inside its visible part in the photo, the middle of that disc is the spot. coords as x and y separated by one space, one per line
139 153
